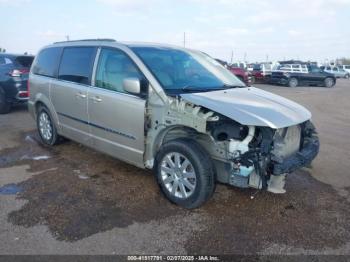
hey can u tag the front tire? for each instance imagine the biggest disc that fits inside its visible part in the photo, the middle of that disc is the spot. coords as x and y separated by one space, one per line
46 128
328 82
5 106
185 173
293 82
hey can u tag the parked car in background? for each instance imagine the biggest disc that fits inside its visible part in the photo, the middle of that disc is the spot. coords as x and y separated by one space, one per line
14 71
260 72
242 65
173 110
293 75
337 72
291 67
346 68
240 72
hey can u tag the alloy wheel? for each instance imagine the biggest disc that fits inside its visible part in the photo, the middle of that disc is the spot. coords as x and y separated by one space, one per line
178 175
329 82
45 126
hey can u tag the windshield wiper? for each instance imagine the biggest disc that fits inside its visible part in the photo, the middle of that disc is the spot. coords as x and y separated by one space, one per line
189 88
226 86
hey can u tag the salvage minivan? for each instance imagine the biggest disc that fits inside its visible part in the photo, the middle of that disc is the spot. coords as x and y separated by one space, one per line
174 110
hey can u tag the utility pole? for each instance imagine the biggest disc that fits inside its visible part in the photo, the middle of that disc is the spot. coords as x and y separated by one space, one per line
245 57
267 58
184 39
67 37
232 57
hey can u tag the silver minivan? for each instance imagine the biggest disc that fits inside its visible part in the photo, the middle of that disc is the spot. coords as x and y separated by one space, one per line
174 110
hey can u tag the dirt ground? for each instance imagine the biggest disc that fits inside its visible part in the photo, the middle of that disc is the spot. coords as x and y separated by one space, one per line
72 200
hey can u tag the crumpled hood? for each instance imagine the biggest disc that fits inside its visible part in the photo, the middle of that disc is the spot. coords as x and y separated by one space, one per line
251 106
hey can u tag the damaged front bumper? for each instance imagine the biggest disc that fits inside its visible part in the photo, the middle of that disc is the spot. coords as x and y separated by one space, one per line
308 151
266 166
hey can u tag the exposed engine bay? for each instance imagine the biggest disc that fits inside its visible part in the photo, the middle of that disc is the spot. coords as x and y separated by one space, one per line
260 157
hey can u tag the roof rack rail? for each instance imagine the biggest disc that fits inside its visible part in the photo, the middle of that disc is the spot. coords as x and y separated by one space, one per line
88 40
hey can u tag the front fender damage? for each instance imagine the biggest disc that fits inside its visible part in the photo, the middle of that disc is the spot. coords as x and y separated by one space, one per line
243 155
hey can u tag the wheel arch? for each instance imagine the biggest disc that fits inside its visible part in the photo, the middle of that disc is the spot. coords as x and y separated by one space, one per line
171 133
334 78
42 100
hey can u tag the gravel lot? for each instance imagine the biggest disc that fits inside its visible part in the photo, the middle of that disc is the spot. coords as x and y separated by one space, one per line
73 200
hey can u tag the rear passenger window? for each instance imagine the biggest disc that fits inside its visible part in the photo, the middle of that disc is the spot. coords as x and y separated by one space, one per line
296 68
47 61
76 64
113 67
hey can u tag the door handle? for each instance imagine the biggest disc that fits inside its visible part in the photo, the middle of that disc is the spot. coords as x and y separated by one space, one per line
81 95
96 99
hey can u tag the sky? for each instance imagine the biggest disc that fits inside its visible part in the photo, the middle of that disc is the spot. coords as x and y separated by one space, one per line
254 30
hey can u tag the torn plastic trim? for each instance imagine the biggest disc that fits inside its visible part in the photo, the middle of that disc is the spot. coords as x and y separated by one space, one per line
309 150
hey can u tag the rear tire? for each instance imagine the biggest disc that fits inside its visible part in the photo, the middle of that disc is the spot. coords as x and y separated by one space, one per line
329 82
5 106
185 173
46 128
293 82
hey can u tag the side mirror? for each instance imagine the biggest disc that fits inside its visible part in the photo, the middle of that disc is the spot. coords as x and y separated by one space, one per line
132 85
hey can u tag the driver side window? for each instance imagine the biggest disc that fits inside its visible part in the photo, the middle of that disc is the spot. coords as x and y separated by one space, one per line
113 67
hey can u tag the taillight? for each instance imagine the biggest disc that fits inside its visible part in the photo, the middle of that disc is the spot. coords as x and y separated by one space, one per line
28 88
23 94
18 72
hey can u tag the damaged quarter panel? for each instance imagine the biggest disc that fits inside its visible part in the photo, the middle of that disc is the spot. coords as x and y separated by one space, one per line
252 106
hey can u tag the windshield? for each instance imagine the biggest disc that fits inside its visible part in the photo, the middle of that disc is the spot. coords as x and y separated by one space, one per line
179 71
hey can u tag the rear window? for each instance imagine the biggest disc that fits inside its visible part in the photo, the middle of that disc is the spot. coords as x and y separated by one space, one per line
47 62
24 61
256 67
76 64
